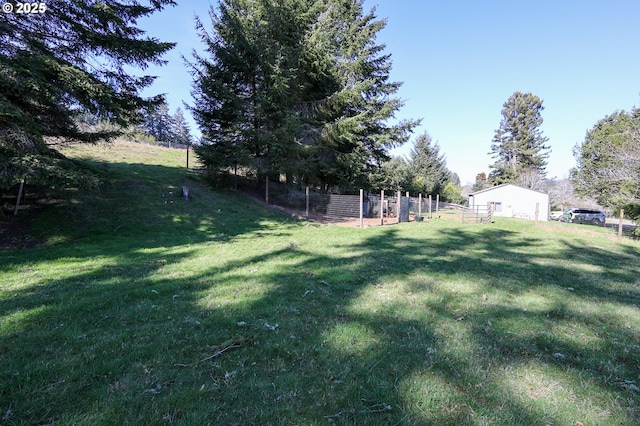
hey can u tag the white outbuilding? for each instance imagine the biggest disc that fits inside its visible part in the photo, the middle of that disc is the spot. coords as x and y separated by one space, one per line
509 200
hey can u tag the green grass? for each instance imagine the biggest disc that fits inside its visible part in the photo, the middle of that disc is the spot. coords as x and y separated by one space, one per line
142 308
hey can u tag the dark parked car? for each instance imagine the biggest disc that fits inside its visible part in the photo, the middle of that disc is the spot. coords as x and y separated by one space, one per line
590 216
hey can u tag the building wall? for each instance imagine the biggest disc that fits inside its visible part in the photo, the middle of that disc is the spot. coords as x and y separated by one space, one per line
513 201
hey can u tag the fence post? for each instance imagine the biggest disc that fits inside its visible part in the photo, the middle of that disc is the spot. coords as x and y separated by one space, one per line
361 208
307 202
535 224
20 190
420 204
382 207
437 203
620 223
398 208
430 216
266 191
408 206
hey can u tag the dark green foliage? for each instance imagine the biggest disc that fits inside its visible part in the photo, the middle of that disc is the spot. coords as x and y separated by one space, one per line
429 166
163 127
64 62
608 163
159 123
226 90
46 168
518 146
425 171
393 175
180 129
296 88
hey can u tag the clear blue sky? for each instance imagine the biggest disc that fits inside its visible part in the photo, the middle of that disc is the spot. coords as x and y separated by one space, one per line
460 61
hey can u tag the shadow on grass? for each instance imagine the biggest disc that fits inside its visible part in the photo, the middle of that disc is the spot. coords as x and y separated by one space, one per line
392 325
141 206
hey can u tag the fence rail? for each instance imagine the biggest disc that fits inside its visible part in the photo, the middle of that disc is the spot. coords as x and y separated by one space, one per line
347 207
477 214
627 230
395 205
388 206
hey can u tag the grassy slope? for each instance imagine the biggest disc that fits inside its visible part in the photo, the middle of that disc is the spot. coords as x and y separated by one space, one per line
117 318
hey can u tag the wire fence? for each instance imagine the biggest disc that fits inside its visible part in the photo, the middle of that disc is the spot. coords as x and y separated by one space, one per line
622 230
385 207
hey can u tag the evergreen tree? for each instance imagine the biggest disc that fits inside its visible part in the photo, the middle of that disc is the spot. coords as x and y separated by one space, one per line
69 60
354 133
608 163
240 92
429 166
181 131
159 123
518 145
296 87
393 175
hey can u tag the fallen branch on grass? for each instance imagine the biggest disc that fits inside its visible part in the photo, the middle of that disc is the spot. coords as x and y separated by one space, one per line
229 344
376 408
224 347
220 351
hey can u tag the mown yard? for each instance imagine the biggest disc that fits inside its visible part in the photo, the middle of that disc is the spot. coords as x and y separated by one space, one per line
138 307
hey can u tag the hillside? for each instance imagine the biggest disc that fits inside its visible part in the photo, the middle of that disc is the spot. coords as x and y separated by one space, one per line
139 307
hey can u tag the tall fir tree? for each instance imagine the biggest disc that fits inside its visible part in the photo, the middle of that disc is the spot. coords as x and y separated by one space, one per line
69 60
159 123
518 145
395 174
181 131
356 129
296 88
240 90
429 166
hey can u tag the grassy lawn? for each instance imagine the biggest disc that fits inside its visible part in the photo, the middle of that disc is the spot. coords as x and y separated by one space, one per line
143 308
